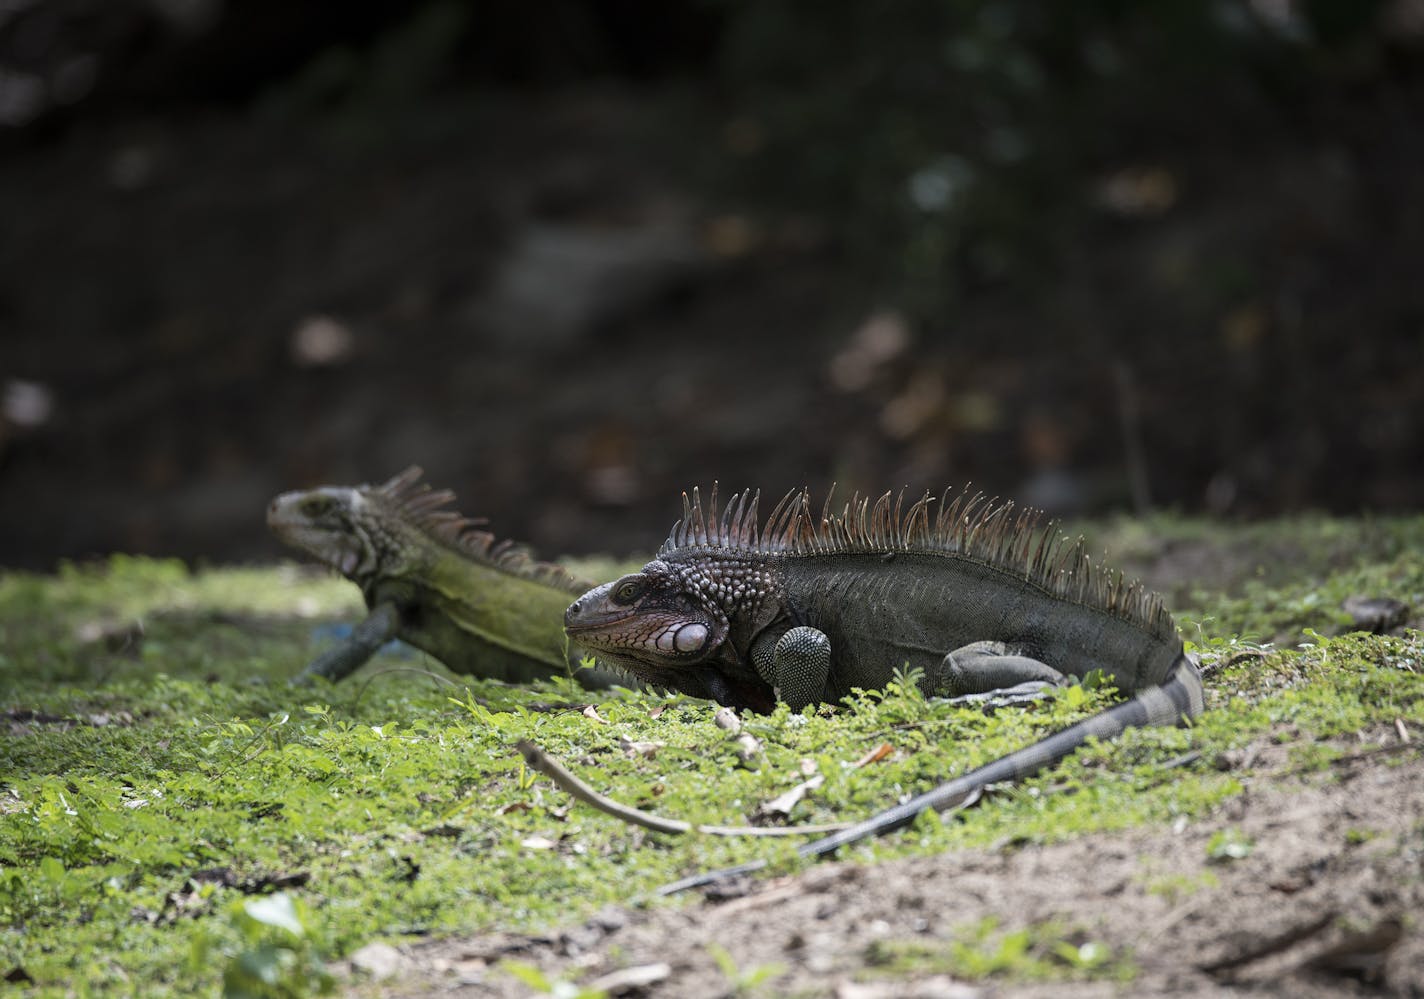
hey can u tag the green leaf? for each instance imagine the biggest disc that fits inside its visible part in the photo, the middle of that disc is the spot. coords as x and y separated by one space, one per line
276 911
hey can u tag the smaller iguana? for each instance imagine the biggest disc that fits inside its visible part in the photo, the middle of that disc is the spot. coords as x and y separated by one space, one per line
434 579
806 609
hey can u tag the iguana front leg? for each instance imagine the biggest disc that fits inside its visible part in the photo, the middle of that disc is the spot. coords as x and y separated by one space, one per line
365 641
982 667
797 665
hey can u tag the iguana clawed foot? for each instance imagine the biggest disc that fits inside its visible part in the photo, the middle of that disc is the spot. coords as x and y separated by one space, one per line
1005 697
988 667
797 667
364 642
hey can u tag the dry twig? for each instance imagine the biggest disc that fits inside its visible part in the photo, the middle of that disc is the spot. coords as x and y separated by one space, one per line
543 763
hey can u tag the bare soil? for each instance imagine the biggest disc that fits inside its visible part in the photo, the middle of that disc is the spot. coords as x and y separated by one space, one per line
1324 905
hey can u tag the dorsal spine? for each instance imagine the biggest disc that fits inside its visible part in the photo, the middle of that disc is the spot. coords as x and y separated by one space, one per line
1003 535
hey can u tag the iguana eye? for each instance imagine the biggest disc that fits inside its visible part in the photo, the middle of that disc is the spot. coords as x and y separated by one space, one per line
317 506
628 591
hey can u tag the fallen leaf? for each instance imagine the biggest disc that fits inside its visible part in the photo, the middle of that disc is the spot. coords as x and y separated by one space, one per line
629 979
591 713
538 843
782 804
644 749
874 756
513 806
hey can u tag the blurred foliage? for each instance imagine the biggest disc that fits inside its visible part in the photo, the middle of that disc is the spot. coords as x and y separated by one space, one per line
970 134
404 64
967 134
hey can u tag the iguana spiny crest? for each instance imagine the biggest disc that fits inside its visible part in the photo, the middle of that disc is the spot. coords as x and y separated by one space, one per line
366 532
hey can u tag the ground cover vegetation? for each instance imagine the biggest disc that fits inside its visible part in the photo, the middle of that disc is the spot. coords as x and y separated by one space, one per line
176 816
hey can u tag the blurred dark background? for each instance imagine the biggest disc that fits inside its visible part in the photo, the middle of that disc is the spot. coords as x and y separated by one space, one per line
573 256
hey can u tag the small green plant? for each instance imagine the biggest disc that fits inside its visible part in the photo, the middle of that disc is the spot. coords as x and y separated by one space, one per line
1227 845
1176 887
559 988
742 981
985 953
983 950
1087 956
902 701
279 958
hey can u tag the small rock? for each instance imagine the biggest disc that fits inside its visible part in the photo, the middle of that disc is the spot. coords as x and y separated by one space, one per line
1375 614
609 919
380 961
934 987
630 979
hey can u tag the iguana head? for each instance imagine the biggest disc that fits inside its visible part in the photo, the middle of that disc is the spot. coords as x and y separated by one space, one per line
333 524
668 625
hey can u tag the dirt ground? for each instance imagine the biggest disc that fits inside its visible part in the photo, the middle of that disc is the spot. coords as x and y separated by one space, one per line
1316 909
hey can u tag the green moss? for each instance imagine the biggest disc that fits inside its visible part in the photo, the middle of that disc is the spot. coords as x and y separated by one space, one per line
160 773
1177 887
985 950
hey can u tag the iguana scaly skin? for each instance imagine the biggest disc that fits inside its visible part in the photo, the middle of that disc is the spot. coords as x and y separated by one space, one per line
806 609
435 580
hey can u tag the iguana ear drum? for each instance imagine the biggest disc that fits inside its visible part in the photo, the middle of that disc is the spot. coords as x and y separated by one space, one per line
688 638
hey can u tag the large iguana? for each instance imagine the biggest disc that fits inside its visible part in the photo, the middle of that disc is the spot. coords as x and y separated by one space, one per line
973 594
437 581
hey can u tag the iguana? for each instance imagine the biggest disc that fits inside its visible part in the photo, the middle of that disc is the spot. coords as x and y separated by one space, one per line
972 593
434 579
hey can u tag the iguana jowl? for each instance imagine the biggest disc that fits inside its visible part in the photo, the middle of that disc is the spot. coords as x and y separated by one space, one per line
806 609
435 580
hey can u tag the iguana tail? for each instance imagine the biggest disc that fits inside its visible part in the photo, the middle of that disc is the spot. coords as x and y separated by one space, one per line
1178 698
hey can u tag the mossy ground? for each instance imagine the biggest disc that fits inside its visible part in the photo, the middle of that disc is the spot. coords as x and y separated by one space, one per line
175 815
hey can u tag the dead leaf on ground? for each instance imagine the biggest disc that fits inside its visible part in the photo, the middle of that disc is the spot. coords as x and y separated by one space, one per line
877 754
631 747
591 713
727 720
630 979
782 804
